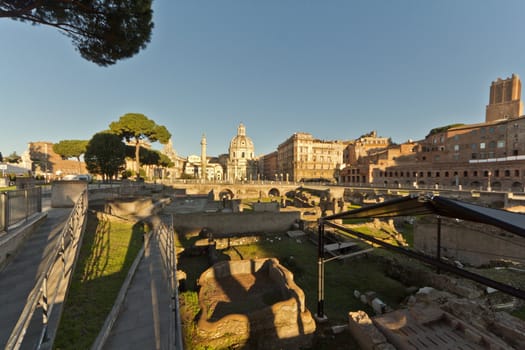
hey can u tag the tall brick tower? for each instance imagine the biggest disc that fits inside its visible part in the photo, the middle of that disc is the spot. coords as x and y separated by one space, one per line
505 99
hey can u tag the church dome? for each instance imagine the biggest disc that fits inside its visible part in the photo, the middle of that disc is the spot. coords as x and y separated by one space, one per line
241 146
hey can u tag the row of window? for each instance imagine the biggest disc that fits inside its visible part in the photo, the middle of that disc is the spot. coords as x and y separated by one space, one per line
466 173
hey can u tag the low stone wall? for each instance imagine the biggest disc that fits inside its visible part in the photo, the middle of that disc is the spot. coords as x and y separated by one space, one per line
11 242
233 223
139 208
266 206
286 324
64 194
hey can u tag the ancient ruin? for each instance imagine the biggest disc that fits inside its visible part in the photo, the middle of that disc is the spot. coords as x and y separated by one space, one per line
253 304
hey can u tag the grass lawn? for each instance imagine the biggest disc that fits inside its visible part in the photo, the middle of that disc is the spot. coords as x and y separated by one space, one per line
300 257
108 250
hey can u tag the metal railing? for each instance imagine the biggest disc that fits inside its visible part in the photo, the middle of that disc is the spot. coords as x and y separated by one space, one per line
55 278
17 206
165 235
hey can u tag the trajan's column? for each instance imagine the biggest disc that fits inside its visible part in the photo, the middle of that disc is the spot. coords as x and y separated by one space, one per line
203 157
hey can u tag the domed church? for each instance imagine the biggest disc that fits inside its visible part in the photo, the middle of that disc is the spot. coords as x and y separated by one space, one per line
242 164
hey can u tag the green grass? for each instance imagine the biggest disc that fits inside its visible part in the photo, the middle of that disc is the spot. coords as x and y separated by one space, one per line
107 252
341 278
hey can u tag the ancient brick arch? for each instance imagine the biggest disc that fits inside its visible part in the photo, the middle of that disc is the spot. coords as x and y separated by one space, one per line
517 187
226 193
274 192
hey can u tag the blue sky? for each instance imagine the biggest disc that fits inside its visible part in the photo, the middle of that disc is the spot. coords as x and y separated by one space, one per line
335 69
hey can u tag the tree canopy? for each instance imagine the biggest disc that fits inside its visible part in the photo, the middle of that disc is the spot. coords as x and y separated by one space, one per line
70 148
13 158
105 155
103 31
134 128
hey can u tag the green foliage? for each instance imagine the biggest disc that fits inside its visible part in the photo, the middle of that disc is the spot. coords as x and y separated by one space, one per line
185 176
13 158
105 155
134 127
165 161
70 148
443 128
103 31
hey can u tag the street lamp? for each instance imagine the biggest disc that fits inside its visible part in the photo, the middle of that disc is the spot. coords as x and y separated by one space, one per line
488 181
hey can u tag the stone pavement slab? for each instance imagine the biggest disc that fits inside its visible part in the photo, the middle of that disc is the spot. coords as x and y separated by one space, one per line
17 279
143 322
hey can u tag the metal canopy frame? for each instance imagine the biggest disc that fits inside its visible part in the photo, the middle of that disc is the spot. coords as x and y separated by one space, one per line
423 205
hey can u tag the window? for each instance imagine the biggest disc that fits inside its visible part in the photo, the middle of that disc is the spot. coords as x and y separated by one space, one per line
516 172
456 148
474 146
465 173
496 173
501 143
482 145
474 156
429 174
475 173
492 144
242 155
437 173
507 172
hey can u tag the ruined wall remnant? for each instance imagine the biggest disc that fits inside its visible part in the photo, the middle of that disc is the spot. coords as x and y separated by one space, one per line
469 242
253 303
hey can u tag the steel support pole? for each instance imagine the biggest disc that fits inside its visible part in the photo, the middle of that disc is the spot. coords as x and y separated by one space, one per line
438 252
320 272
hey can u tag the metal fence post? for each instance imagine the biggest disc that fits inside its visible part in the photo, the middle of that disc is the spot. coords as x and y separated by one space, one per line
44 306
26 200
3 212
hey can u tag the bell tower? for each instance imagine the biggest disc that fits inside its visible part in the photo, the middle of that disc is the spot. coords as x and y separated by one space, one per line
505 99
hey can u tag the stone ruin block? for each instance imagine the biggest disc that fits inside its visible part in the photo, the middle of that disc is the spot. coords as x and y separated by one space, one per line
365 332
252 304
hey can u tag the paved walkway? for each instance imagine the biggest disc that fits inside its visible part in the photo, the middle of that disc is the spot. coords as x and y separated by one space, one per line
19 276
143 322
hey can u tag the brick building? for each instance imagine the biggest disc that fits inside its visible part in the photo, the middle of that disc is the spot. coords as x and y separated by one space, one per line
489 155
45 161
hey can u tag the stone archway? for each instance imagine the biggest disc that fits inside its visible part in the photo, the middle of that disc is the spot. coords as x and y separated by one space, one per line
226 193
496 186
274 192
517 187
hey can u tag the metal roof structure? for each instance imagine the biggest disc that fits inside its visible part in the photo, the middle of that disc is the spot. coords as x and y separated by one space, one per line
424 205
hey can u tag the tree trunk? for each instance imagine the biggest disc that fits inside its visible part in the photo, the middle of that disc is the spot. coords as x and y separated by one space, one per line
137 158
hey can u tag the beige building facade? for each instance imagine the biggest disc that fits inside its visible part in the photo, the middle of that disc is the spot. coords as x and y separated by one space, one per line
302 157
44 161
